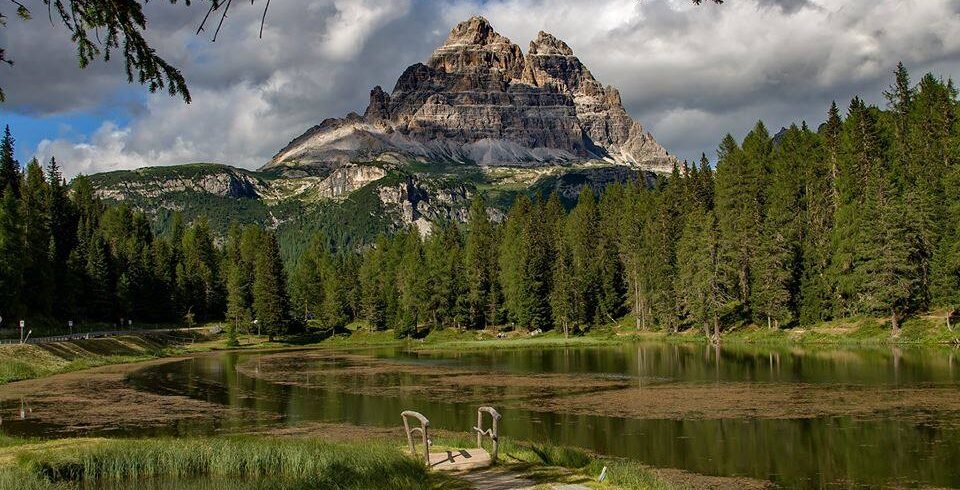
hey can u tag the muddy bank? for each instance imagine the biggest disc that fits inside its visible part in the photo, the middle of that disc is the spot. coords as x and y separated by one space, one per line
603 396
99 400
366 375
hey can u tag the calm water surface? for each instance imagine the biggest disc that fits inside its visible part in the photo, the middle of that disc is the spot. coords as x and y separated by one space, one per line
882 450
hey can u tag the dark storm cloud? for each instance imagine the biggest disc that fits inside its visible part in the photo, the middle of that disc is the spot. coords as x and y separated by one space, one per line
689 74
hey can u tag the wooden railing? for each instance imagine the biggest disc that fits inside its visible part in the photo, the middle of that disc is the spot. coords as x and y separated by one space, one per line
493 431
423 429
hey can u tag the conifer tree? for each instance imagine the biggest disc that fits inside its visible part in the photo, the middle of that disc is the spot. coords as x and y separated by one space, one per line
9 167
513 257
63 233
537 273
270 303
37 271
831 138
699 272
887 274
334 306
373 273
562 294
11 254
581 235
776 271
410 285
479 260
737 216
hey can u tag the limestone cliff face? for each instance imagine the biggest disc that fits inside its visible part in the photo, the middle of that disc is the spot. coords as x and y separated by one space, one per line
478 99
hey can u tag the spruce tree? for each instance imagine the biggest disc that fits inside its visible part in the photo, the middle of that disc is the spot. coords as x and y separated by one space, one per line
11 257
410 285
698 271
513 257
737 216
373 304
776 270
479 263
562 294
270 303
582 237
37 271
9 167
334 306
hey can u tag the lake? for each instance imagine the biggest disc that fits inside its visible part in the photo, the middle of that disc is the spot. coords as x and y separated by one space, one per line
796 416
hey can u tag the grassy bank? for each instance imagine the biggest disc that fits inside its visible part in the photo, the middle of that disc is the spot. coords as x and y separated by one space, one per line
27 361
260 462
920 330
291 462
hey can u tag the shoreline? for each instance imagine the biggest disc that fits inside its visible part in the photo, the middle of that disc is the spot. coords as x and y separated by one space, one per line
31 361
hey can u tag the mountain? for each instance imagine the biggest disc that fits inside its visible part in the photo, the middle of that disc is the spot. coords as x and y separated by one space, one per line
478 117
479 100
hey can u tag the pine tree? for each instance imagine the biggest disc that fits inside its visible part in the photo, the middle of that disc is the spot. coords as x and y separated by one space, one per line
238 309
410 285
699 272
537 273
582 237
831 136
776 270
100 300
900 99
11 254
63 235
479 261
37 272
817 227
513 256
9 167
372 273
334 306
308 280
562 294
888 274
738 215
270 303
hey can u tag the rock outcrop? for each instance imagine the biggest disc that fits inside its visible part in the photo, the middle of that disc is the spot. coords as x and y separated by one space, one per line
479 100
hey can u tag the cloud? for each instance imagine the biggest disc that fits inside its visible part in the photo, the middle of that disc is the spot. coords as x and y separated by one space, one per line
689 74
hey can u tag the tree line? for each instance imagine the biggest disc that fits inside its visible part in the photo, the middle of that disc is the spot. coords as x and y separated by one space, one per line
860 216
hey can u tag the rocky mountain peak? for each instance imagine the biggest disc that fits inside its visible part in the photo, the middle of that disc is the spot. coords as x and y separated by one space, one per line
547 44
479 100
476 31
473 45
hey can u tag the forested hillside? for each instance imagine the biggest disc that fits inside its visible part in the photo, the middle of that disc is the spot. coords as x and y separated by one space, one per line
860 216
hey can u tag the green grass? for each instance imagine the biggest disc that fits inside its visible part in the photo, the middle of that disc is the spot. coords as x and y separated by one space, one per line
296 463
28 361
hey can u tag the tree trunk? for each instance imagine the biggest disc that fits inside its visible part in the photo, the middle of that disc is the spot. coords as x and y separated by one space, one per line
636 298
895 323
716 329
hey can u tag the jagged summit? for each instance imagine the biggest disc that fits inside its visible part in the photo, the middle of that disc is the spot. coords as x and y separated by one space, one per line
478 99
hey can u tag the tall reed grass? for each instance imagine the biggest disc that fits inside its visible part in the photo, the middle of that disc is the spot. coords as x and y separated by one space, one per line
297 463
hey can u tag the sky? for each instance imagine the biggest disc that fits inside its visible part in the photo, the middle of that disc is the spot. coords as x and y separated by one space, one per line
689 74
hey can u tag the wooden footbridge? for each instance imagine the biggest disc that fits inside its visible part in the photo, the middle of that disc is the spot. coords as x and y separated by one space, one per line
457 459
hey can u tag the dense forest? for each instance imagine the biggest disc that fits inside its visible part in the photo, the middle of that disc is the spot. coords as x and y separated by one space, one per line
858 217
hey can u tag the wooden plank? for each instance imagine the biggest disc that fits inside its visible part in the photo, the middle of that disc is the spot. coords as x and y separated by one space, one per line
460 460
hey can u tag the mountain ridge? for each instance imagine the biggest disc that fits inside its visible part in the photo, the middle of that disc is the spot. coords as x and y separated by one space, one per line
479 100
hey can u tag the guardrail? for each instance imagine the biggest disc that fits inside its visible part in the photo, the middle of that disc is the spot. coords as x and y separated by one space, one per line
97 334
